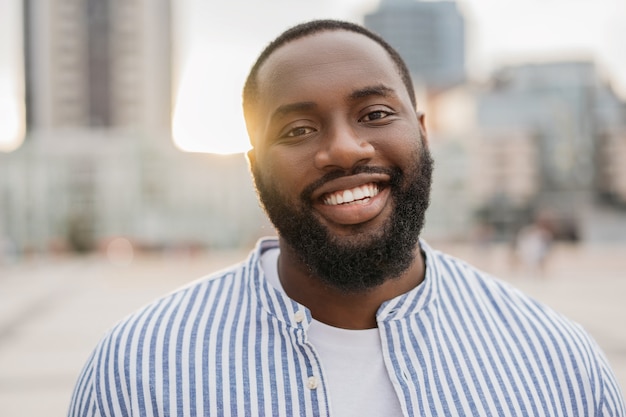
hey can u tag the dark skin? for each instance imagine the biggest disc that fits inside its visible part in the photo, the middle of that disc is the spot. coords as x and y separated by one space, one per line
332 101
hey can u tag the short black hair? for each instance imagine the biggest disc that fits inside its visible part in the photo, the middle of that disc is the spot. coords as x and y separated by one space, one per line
251 87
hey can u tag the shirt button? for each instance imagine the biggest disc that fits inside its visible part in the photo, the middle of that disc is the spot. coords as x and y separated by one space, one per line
312 382
299 316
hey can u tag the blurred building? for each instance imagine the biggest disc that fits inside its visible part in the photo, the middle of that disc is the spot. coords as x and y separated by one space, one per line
430 36
98 161
97 64
552 124
504 178
538 140
611 172
460 179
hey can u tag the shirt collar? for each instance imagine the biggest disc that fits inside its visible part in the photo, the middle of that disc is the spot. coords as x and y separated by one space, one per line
272 300
412 302
293 314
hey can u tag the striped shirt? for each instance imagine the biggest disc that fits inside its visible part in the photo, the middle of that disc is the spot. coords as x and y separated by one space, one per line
459 344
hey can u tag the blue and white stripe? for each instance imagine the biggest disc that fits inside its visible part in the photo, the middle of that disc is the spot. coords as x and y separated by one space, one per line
460 344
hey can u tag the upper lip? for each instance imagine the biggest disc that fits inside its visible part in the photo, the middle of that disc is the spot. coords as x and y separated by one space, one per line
348 182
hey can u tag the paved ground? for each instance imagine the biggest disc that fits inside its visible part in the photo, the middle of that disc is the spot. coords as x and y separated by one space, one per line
53 312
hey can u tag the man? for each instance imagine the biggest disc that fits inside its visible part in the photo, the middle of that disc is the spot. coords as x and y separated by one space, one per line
348 312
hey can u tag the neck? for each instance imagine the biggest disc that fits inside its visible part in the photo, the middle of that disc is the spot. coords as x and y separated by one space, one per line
334 306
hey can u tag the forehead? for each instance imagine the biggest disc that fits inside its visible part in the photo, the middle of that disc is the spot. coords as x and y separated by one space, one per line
336 58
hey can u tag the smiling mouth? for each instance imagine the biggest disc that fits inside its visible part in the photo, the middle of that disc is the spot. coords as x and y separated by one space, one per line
357 195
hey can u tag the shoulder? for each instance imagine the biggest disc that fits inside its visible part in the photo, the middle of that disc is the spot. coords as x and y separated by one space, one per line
495 300
484 301
151 347
174 319
186 304
457 278
539 337
196 313
143 345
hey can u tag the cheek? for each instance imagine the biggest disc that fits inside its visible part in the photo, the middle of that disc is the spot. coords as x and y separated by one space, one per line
400 146
288 174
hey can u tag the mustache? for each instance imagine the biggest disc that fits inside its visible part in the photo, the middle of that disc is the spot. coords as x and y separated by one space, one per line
394 174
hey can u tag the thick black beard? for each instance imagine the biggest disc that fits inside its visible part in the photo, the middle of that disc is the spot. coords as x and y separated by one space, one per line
365 262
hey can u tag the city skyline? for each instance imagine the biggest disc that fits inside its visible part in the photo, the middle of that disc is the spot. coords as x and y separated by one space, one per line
515 32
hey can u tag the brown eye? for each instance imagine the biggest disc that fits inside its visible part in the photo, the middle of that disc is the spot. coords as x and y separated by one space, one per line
298 131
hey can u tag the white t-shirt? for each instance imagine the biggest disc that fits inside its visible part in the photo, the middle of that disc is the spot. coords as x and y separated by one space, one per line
352 361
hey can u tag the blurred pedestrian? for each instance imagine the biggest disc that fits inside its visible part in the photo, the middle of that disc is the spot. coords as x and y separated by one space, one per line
533 246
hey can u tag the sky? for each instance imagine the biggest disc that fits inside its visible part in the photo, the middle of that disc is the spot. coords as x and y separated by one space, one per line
217 42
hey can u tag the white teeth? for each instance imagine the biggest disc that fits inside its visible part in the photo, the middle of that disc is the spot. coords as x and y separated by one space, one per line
348 197
359 195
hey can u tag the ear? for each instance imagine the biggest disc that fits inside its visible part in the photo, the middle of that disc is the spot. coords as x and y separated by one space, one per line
421 119
251 158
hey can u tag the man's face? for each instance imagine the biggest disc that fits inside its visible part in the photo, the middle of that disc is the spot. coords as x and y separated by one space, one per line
340 159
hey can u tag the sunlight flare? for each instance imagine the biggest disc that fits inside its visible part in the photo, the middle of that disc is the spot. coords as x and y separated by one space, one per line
207 115
12 126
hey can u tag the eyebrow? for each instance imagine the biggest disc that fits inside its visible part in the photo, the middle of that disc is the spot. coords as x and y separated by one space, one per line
374 90
285 109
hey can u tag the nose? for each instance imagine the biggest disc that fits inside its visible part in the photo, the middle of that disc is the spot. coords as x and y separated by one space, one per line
343 149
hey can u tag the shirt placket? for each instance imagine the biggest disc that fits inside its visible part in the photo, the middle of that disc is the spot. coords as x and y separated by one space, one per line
314 383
